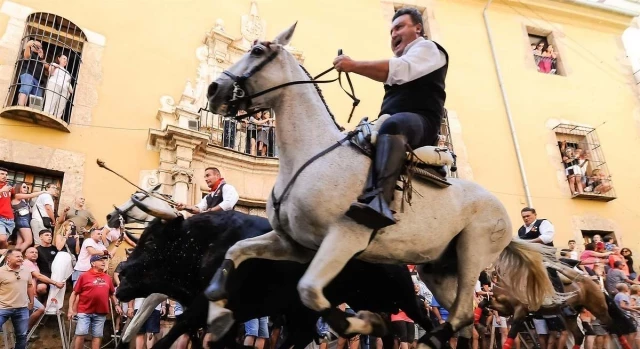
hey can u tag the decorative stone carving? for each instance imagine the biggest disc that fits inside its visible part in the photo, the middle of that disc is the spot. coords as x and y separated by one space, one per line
219 25
253 27
167 104
177 172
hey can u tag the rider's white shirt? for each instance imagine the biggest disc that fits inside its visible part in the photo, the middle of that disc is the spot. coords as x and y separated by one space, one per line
419 58
229 199
547 231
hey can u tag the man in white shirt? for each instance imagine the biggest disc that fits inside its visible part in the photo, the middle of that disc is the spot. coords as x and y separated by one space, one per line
44 207
535 230
414 82
223 196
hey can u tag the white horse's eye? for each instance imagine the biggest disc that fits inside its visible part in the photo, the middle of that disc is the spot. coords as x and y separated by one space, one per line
257 51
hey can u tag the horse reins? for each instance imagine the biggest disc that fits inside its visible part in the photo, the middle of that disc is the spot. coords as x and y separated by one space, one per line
240 90
239 94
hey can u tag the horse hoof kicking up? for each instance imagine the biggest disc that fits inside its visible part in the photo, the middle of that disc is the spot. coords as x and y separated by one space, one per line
217 289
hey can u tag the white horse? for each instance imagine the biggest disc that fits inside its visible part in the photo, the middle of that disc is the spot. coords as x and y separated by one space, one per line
458 230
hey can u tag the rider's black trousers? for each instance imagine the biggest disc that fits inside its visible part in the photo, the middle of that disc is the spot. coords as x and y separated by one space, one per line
419 130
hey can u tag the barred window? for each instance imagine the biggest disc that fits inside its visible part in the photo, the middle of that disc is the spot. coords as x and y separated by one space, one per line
34 178
585 167
47 66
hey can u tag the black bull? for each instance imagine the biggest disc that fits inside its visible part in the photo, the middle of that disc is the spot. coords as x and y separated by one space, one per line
178 258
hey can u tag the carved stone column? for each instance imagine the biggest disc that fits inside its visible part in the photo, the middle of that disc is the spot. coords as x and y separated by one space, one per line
182 178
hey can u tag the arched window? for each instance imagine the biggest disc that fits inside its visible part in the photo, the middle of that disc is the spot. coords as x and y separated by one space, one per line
46 70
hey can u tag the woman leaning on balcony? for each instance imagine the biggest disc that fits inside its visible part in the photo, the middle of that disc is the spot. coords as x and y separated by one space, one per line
58 87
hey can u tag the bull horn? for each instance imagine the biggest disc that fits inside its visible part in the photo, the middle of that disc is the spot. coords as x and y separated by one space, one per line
147 307
155 211
131 236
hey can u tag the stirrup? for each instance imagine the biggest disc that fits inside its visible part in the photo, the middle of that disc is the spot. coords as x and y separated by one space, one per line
375 214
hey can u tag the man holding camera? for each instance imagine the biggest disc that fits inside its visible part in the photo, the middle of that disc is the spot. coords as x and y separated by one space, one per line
32 67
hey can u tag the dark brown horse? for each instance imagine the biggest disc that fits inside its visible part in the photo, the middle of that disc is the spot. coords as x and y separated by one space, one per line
584 293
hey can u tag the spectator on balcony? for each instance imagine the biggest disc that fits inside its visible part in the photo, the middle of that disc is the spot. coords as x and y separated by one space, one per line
271 146
223 196
32 67
81 217
599 182
263 132
42 214
22 215
626 253
583 162
58 87
229 128
571 168
252 134
537 51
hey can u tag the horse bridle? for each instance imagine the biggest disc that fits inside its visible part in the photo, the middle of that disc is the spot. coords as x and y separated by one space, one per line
123 213
239 93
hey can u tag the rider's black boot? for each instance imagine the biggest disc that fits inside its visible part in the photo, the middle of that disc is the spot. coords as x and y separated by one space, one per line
372 208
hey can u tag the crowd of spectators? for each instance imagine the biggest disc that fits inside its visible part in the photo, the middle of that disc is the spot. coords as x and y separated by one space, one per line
582 175
545 56
28 278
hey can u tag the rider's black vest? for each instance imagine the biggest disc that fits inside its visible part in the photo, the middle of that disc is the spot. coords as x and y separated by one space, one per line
214 199
533 233
424 95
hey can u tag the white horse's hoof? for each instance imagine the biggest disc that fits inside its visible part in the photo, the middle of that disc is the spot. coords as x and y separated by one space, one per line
312 297
359 326
220 321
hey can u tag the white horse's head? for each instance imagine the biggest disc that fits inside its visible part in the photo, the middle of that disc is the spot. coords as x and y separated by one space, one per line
266 65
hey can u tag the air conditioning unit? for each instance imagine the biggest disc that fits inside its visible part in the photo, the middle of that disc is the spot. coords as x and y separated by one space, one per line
193 125
36 102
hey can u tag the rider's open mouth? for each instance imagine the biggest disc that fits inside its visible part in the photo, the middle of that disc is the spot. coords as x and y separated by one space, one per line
397 42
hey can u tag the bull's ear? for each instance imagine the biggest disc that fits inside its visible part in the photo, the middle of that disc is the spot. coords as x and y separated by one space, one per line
285 37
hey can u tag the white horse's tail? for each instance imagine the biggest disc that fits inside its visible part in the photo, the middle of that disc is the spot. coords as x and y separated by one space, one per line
521 270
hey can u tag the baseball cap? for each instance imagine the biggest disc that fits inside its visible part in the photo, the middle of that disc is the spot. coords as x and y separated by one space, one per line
97 258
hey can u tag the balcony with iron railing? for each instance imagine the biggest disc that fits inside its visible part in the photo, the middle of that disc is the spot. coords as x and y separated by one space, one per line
585 167
45 74
253 136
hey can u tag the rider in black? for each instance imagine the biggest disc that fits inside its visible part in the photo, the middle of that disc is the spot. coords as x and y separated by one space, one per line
414 97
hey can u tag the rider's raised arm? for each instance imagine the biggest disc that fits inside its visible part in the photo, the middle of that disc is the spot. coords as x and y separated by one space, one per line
421 57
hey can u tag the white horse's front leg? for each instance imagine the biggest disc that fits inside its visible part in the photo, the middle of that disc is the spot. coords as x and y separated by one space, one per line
337 248
272 246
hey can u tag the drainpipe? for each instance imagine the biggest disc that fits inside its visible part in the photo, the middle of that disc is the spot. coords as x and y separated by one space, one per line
507 108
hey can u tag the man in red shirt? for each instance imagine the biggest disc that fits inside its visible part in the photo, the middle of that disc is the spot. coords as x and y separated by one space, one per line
6 212
90 301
